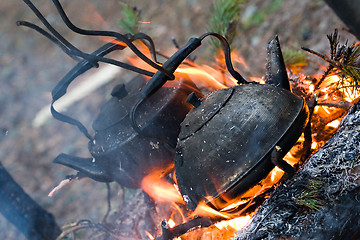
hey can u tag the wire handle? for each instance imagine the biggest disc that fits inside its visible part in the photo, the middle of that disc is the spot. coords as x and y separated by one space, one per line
160 78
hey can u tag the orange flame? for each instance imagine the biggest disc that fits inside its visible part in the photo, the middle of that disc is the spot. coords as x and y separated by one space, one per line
203 76
158 188
151 237
204 210
112 40
236 223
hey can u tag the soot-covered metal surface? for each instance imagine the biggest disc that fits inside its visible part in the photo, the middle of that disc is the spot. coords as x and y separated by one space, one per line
227 146
322 201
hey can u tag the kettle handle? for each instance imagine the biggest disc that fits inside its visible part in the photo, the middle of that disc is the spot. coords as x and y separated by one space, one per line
160 78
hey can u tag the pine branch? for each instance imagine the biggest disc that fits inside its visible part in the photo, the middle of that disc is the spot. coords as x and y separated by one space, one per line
224 19
344 61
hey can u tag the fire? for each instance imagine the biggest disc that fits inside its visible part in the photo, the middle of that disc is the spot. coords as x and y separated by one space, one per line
236 223
112 40
204 210
205 77
332 103
335 96
158 188
151 237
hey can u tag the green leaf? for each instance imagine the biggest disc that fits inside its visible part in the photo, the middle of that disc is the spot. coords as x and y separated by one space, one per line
130 19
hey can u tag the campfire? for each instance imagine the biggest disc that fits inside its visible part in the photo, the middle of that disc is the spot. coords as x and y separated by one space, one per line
213 214
330 97
333 97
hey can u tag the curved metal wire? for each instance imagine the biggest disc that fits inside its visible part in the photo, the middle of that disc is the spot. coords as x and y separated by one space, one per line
173 62
76 52
91 60
227 52
89 57
110 34
50 37
86 61
83 66
61 88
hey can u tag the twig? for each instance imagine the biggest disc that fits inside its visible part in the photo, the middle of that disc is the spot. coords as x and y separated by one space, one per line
108 199
339 104
84 224
171 233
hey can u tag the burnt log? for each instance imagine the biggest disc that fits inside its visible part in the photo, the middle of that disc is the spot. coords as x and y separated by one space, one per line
322 201
349 12
33 221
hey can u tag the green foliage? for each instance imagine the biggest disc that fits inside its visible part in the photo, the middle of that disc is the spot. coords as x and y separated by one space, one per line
259 15
130 19
310 196
293 56
224 19
309 201
295 59
315 184
344 61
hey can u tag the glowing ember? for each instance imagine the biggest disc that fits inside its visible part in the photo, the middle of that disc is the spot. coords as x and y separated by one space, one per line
236 223
171 223
149 235
334 123
314 145
61 185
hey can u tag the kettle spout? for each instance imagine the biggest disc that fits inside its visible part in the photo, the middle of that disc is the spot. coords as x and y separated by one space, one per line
275 67
86 166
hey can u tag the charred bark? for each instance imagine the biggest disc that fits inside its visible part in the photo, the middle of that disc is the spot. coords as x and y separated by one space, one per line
137 217
349 12
29 217
322 201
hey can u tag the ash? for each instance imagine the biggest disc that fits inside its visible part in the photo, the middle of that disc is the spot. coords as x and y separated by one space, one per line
322 201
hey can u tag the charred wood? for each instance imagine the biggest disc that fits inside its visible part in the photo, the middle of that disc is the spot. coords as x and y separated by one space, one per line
135 218
171 233
322 201
29 217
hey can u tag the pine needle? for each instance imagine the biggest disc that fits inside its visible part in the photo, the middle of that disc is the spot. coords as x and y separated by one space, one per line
344 61
310 196
225 18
